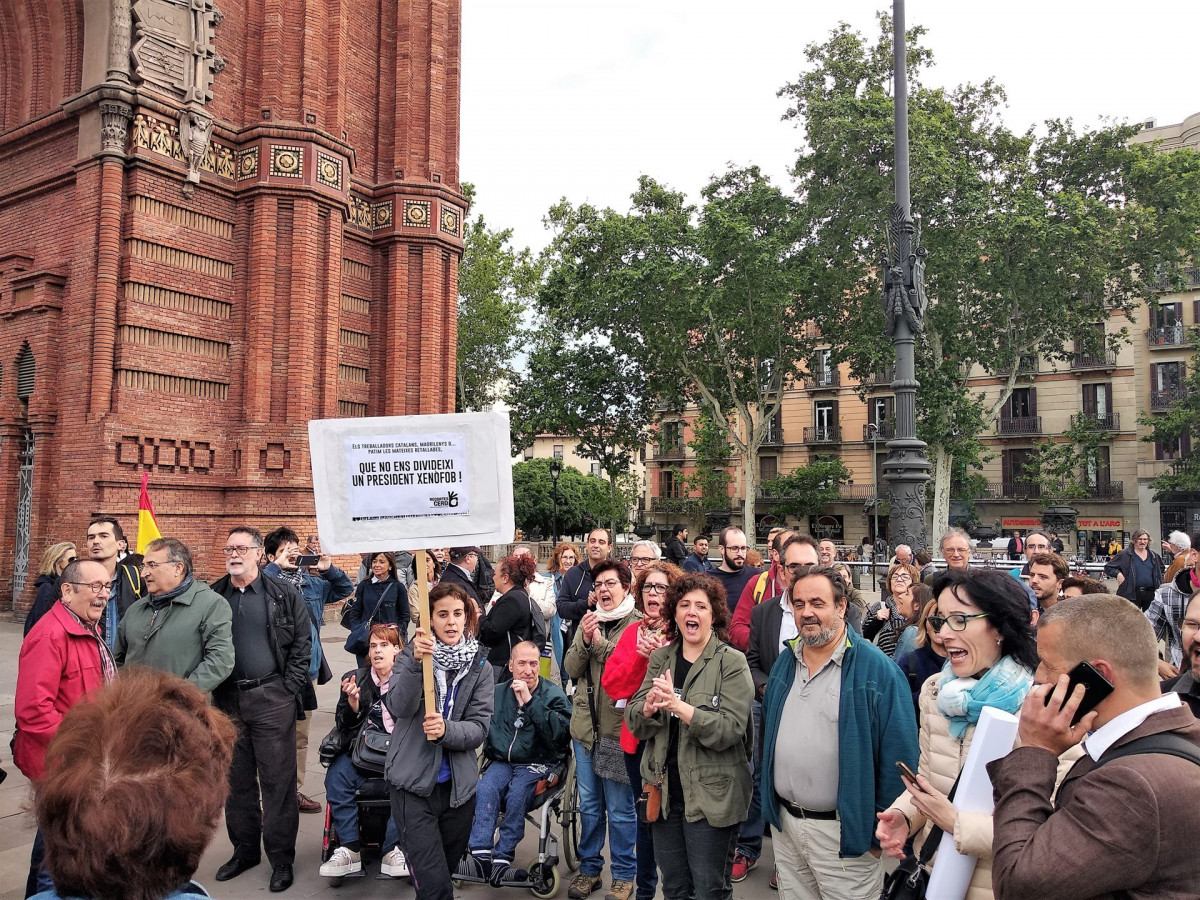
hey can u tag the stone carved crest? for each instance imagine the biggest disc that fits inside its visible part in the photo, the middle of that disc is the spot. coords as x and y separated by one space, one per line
195 128
173 46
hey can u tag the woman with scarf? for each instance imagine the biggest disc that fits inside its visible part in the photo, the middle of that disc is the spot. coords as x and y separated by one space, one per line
983 619
361 701
377 600
623 674
431 763
605 792
885 627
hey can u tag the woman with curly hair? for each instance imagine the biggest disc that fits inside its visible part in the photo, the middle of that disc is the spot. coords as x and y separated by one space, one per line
510 619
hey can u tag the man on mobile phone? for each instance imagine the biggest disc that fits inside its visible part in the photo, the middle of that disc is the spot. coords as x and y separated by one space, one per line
1123 822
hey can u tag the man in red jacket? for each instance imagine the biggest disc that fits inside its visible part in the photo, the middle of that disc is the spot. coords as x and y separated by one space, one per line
62 659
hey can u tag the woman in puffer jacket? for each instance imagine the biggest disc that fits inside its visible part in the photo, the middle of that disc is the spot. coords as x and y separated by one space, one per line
983 619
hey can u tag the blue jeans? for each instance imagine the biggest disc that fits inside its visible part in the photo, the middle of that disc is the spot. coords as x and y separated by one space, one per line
696 859
604 801
751 837
647 872
341 781
500 779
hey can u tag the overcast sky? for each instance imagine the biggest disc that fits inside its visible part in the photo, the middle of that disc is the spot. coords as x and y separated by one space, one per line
577 99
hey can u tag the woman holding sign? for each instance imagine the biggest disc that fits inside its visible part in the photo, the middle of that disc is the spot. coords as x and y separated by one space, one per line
431 764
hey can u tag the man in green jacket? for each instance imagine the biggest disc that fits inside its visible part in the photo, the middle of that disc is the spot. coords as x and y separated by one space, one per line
837 716
180 626
529 735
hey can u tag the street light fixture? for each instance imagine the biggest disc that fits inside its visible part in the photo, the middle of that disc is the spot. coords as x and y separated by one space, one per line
555 471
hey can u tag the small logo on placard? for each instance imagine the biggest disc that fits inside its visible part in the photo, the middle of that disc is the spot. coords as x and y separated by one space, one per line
450 501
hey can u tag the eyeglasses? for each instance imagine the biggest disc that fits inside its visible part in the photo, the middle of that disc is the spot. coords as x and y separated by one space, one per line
94 586
147 564
736 549
609 583
902 576
800 568
237 551
654 588
641 560
956 621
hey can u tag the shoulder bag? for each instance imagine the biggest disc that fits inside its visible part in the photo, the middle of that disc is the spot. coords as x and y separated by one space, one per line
360 635
370 750
608 759
910 879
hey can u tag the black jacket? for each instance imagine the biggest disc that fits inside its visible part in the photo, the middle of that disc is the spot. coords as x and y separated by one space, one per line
509 622
1184 684
290 636
763 648
676 552
47 594
572 600
455 575
380 602
346 719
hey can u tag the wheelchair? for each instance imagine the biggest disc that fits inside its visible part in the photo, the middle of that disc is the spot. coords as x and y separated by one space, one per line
374 808
556 796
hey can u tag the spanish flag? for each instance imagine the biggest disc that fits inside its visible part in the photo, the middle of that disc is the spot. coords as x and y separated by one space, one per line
147 527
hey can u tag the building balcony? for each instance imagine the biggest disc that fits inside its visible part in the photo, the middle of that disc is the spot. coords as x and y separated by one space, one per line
1097 421
1170 336
885 431
858 492
1036 489
829 434
882 380
1019 425
823 380
1167 397
669 451
1105 359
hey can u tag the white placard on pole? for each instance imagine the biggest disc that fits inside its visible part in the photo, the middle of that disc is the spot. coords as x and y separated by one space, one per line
412 481
994 737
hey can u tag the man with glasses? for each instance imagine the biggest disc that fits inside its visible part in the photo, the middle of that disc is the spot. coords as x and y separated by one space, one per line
955 547
837 716
1036 542
642 554
766 585
181 626
272 645
63 659
772 625
105 540
733 573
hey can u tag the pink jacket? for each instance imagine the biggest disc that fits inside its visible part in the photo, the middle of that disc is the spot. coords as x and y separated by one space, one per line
59 664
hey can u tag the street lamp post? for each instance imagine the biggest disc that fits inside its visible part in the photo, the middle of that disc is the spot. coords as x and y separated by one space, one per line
873 431
906 470
555 471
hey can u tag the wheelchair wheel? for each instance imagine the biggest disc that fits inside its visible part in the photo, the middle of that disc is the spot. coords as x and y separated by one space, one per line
543 880
569 818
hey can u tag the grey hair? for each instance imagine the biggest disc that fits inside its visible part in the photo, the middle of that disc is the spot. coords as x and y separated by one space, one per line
955 531
1180 540
177 552
654 548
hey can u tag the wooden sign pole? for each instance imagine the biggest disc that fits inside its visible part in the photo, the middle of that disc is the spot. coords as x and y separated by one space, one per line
427 624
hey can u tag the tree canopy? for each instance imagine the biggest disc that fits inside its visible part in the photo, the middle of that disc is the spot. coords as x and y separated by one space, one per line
1034 238
584 501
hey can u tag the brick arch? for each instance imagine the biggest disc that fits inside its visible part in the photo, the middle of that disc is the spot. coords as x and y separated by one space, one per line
42 57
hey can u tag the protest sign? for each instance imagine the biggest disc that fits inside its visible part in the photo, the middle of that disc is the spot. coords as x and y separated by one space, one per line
412 481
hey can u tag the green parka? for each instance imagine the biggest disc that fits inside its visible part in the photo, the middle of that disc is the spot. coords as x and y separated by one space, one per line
585 663
714 750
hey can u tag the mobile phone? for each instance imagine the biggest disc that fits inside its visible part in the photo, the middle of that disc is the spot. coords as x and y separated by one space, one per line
906 771
1096 688
304 560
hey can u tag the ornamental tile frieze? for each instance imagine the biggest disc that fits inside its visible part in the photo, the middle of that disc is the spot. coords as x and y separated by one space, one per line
161 137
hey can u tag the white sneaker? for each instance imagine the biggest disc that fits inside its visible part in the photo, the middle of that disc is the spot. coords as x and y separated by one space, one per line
394 864
343 862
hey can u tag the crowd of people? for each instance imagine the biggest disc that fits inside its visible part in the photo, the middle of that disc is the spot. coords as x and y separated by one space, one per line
702 702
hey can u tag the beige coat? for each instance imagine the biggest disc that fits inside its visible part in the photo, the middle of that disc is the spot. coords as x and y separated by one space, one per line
942 758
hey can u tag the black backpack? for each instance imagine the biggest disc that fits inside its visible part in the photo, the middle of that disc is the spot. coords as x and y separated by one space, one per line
1167 743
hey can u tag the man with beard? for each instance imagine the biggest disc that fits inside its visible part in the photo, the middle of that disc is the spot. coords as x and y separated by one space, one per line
698 561
837 716
575 596
1046 574
1187 683
733 573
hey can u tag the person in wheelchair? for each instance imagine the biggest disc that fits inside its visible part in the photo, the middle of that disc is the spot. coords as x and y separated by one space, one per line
361 699
529 735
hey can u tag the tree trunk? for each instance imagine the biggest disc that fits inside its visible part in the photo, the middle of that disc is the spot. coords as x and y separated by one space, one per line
942 465
750 472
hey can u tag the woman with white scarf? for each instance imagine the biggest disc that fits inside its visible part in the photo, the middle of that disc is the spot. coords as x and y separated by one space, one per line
605 792
431 763
983 618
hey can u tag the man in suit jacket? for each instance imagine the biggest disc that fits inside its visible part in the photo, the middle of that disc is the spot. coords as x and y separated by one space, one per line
1124 827
461 571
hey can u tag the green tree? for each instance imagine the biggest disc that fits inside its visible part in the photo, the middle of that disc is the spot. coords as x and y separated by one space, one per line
583 500
703 300
1033 239
1068 468
710 475
807 490
594 394
496 285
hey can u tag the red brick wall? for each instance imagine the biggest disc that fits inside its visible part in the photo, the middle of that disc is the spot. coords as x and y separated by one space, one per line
193 337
